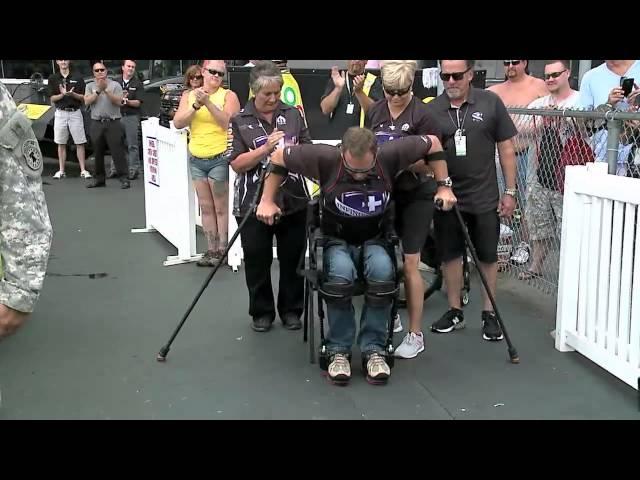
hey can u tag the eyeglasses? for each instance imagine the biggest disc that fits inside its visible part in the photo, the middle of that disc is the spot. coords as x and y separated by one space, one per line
547 76
98 70
457 76
215 72
506 63
399 93
196 77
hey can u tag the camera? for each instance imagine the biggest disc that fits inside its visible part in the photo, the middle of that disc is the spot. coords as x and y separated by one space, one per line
626 83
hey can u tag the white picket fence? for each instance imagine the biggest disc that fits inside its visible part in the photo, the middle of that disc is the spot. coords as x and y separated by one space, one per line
170 203
598 311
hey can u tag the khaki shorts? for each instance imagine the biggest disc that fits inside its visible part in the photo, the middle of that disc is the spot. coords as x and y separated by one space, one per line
543 212
64 122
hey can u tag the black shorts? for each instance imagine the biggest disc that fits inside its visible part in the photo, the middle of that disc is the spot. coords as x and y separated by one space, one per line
414 213
484 230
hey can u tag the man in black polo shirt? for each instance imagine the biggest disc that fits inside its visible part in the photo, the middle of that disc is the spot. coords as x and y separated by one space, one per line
132 90
66 90
472 122
348 96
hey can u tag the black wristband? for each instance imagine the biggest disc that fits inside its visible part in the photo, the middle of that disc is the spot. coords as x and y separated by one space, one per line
277 169
436 156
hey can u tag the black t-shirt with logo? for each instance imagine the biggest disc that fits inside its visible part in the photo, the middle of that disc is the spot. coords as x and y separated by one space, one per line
72 80
340 120
415 119
484 121
134 90
251 132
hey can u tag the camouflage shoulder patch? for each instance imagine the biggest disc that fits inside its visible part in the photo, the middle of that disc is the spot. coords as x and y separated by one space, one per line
32 155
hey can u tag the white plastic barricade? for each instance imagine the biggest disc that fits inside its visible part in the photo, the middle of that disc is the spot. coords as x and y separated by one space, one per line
170 204
598 311
234 259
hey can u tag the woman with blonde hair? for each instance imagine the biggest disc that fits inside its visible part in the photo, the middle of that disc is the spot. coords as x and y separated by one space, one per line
207 110
397 115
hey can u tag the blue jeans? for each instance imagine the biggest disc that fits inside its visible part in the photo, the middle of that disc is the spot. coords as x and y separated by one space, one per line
341 265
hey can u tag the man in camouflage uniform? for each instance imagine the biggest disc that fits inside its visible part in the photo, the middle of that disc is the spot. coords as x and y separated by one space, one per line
25 229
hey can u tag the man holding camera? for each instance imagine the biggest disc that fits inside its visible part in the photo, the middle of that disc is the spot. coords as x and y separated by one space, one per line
610 86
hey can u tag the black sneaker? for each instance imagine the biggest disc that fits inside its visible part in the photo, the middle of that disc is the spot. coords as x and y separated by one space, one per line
453 319
262 324
490 328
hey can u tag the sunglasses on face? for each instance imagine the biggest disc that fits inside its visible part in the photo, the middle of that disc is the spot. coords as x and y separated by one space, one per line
215 72
548 76
456 75
196 77
399 93
98 70
506 63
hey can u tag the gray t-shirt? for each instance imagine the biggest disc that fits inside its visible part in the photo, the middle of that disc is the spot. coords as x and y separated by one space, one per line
103 107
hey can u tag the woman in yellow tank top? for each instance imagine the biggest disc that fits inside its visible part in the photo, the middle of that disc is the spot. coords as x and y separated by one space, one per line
207 111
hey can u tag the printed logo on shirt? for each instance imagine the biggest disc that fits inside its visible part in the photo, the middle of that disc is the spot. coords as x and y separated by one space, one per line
477 116
281 121
405 127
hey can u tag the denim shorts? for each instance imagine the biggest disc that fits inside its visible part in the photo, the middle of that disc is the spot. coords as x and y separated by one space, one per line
216 168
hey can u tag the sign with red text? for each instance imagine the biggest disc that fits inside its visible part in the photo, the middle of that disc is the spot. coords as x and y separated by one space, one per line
153 172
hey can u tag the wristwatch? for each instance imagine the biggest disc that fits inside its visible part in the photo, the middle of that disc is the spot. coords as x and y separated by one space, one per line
445 183
510 191
194 106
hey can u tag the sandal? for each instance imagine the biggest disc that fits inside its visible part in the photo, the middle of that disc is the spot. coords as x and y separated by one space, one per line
528 275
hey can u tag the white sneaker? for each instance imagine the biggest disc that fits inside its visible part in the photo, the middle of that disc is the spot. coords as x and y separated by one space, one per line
521 255
397 324
378 372
423 267
412 344
339 370
59 174
85 174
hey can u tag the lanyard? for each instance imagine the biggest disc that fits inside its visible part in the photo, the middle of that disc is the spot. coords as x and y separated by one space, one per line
349 88
459 126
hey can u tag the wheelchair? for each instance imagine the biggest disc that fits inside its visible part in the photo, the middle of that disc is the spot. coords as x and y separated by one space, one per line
429 256
315 295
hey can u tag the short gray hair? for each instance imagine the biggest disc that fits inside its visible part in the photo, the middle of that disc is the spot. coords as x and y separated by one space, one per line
264 73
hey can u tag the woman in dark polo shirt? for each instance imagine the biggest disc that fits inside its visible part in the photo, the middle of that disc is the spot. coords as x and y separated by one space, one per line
397 115
262 126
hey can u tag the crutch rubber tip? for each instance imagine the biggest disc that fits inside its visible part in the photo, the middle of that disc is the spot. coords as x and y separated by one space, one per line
161 358
515 359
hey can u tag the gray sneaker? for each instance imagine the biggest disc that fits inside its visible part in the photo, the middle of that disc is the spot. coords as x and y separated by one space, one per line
378 372
412 344
209 259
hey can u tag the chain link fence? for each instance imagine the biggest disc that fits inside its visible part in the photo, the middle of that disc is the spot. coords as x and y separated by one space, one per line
547 142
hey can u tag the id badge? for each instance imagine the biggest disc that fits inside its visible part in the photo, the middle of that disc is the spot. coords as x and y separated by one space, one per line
461 144
350 107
